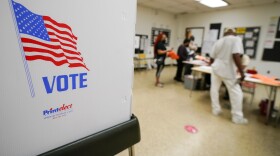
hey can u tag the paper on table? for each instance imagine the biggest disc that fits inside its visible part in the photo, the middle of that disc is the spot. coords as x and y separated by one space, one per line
249 52
250 43
248 34
199 62
252 79
248 75
206 67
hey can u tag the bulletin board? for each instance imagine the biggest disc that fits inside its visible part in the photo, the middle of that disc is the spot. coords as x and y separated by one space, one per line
250 38
272 41
156 31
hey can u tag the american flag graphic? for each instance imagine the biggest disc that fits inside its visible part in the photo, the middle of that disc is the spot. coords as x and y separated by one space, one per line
45 39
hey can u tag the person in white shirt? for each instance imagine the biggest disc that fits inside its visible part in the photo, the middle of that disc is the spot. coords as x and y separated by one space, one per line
245 60
225 60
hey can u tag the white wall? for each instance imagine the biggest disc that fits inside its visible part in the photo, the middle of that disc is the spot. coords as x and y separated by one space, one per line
148 18
253 16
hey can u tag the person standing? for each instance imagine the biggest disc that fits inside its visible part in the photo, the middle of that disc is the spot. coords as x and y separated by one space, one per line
245 60
191 51
225 58
160 53
183 51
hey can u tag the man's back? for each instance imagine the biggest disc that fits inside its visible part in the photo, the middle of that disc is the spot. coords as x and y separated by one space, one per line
222 53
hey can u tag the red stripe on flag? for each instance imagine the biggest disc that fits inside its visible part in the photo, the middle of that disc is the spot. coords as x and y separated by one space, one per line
62 25
58 55
62 38
57 63
28 40
64 44
72 65
45 58
60 31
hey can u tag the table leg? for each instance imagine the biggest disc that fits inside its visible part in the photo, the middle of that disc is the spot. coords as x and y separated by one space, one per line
131 151
274 99
268 111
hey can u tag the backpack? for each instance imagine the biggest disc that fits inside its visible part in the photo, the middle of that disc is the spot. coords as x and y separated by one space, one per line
263 106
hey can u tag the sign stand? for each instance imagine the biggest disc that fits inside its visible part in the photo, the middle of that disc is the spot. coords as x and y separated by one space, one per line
105 143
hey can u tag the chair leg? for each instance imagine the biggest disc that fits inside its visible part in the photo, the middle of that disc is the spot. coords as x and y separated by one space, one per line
277 119
252 98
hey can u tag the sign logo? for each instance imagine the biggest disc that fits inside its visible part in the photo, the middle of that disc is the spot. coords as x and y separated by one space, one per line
41 38
58 112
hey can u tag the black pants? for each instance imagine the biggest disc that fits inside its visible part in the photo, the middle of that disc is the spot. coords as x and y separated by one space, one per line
160 67
188 69
180 66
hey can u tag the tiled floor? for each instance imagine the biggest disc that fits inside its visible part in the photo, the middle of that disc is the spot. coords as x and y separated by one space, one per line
163 113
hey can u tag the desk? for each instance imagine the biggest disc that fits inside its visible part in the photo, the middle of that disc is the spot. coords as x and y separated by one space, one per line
142 62
272 93
196 63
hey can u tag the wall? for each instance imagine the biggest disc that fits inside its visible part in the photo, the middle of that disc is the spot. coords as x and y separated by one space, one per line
253 16
148 18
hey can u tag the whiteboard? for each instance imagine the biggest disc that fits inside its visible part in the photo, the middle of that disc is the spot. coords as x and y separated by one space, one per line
198 33
73 82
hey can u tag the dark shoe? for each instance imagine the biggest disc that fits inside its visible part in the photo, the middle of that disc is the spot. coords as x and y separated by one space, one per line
179 80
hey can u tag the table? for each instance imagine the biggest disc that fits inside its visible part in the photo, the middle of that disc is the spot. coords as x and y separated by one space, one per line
138 61
196 62
272 93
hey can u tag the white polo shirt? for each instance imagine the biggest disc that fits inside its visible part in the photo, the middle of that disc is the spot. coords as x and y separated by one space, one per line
222 52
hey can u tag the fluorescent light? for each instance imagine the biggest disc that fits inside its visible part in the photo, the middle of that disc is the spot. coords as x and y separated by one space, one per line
213 3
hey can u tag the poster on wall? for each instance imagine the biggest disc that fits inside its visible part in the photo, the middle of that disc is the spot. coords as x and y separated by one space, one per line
272 41
157 31
56 87
278 29
250 37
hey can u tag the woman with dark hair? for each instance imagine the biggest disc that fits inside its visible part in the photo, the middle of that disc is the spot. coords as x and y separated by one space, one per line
160 53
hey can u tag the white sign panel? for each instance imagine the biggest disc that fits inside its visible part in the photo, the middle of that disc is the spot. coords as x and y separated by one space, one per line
66 71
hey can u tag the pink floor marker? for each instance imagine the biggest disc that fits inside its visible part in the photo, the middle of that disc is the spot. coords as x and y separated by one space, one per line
191 129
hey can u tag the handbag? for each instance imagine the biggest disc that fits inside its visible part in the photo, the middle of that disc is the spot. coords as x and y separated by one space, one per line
160 61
